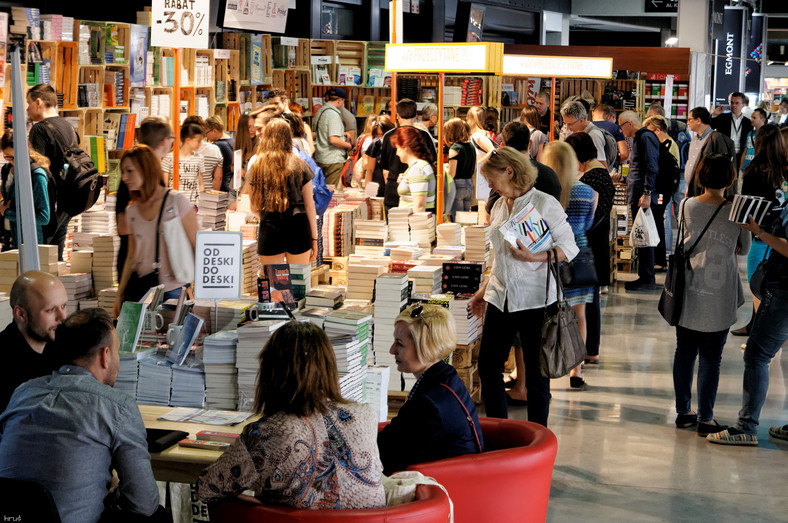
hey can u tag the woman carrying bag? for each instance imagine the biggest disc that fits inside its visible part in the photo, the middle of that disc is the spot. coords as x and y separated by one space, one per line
515 290
154 235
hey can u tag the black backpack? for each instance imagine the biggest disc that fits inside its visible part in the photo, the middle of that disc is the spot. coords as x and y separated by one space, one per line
611 150
669 173
78 181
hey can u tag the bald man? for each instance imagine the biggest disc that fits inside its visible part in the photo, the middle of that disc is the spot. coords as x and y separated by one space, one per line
38 303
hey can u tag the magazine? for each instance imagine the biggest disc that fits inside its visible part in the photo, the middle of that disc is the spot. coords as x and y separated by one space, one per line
529 227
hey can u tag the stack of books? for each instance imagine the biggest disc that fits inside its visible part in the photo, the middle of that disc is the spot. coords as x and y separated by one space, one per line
221 376
5 309
370 237
426 278
26 21
230 313
477 243
349 332
376 209
252 337
462 277
466 218
301 279
106 298
251 266
188 384
212 209
330 296
9 269
89 95
449 234
128 370
404 265
406 252
376 387
52 27
436 260
155 378
399 229
361 280
391 297
105 253
455 251
78 286
422 229
99 222
467 325
82 261
338 227
472 92
47 258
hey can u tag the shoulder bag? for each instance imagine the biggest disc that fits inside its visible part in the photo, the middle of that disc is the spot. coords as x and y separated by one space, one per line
138 285
756 280
562 347
179 248
672 298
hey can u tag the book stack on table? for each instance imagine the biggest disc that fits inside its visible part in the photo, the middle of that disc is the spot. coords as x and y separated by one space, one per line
468 326
251 339
449 234
426 278
477 243
155 378
330 296
370 237
422 229
391 297
105 254
301 279
231 313
251 266
399 229
462 276
188 383
376 387
78 286
212 210
349 332
361 280
221 375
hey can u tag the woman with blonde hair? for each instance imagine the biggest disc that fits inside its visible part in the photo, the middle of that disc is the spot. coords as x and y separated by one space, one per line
280 189
579 201
530 117
311 448
439 419
513 299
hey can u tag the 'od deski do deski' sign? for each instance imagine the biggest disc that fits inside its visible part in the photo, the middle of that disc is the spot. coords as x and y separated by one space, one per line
218 265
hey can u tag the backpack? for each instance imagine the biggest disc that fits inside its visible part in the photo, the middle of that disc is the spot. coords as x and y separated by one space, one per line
683 141
349 168
320 190
669 173
78 181
611 150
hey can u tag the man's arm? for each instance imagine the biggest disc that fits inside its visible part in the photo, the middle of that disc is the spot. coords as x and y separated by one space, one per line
623 151
137 491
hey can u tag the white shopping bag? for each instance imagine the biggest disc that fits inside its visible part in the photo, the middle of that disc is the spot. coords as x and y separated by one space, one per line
644 230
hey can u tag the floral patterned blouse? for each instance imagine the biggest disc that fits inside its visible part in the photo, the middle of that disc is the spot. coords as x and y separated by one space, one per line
326 461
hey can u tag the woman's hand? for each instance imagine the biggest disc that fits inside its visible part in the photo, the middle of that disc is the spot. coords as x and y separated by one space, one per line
523 254
751 226
313 256
477 304
117 306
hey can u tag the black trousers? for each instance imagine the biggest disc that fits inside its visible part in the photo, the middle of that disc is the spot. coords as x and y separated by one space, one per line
59 236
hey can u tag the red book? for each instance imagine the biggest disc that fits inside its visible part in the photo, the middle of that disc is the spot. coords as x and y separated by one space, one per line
203 445
210 435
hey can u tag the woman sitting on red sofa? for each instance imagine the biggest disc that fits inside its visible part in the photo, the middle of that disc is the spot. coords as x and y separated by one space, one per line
439 419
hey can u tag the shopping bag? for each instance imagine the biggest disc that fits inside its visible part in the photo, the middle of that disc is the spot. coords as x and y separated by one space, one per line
644 230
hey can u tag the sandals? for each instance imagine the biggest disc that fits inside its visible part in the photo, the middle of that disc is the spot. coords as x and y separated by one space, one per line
779 432
733 437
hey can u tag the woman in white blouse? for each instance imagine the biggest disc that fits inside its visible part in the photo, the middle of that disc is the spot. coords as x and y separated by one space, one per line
515 291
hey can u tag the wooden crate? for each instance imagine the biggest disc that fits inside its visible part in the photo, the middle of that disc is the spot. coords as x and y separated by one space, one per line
123 35
205 57
476 395
280 53
465 356
159 69
97 40
267 65
227 70
351 54
67 72
323 52
375 58
207 91
468 375
125 70
187 95
157 91
397 399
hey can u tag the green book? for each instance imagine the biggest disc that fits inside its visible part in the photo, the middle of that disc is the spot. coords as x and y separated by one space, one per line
130 320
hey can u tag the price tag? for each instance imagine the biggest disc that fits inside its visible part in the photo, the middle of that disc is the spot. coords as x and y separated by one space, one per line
321 60
289 41
180 23
221 54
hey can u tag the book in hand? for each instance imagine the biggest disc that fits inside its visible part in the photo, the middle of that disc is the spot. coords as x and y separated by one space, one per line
191 329
529 227
203 444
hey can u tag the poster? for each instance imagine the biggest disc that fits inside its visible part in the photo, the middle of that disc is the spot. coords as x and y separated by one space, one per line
257 15
3 45
138 54
256 58
180 24
728 71
754 50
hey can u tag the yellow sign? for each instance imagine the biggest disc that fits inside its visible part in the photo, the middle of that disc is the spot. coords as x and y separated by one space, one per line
481 57
557 66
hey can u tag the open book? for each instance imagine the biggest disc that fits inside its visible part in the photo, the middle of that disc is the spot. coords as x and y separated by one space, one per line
529 227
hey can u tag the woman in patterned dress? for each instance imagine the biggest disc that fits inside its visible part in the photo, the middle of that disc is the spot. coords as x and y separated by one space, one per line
311 448
579 201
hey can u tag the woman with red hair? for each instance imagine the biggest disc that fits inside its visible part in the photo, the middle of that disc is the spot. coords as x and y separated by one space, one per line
417 184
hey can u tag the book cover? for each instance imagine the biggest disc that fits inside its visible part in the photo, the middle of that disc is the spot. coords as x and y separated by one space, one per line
280 284
263 291
129 327
186 338
212 435
203 444
529 227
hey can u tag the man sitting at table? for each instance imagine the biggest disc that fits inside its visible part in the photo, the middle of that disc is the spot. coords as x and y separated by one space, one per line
67 431
38 305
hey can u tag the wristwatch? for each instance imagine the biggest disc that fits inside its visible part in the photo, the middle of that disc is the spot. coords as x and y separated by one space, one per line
647 192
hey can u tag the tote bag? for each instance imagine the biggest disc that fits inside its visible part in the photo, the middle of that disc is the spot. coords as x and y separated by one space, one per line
179 248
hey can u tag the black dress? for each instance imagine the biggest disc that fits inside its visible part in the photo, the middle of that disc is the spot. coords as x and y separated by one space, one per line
599 233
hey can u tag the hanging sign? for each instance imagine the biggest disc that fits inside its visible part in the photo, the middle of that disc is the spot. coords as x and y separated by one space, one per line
267 16
557 66
180 23
481 57
754 57
728 71
218 269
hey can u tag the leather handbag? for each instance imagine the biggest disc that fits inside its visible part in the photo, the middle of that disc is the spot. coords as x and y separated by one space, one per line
138 286
756 280
672 299
179 248
581 271
562 347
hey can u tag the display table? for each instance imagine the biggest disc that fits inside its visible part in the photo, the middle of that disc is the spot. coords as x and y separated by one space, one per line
180 464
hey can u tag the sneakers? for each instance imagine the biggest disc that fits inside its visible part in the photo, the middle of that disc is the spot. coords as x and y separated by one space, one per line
704 429
779 432
640 285
684 421
733 436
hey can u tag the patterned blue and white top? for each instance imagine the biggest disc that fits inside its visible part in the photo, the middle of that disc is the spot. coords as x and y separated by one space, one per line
580 215
326 461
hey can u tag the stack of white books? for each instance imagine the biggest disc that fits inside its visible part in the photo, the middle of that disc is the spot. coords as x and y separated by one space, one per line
399 230
370 237
128 373
467 325
406 252
78 286
82 261
252 337
221 376
349 332
455 251
106 298
101 222
361 280
449 234
105 254
251 266
155 378
426 278
422 229
188 384
477 243
391 297
231 313
376 387
212 209
436 259
301 280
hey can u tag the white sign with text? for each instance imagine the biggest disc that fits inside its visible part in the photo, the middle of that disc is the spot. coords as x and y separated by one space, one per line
218 265
180 23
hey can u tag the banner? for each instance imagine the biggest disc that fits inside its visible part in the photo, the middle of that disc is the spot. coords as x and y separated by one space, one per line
728 70
752 69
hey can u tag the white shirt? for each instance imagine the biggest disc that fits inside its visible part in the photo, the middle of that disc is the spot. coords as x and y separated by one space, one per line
736 130
521 285
599 141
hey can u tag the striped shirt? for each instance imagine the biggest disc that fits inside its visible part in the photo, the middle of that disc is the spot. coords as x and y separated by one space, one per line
419 179
212 156
189 171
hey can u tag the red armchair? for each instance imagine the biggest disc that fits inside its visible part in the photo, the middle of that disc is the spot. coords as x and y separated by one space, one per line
430 506
510 480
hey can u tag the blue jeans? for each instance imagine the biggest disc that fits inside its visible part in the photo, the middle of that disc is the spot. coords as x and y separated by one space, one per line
463 196
689 344
769 332
672 206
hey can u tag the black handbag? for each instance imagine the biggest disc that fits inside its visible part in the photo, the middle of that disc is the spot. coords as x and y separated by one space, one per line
756 280
562 347
581 271
672 298
138 286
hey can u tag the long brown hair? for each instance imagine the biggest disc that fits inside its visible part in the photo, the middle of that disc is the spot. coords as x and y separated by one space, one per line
147 163
298 372
770 155
529 115
274 165
243 140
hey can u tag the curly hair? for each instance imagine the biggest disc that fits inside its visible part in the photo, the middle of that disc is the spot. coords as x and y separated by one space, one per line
274 165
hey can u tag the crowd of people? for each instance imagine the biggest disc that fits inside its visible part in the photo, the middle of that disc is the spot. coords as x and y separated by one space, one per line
310 447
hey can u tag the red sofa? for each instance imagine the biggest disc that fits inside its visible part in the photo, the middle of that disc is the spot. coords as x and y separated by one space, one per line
509 481
430 506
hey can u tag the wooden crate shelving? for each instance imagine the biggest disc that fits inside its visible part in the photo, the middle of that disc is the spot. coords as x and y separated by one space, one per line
124 69
323 52
350 54
375 59
209 93
186 95
120 33
281 51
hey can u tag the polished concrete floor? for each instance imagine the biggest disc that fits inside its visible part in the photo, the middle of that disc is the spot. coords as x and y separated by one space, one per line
620 456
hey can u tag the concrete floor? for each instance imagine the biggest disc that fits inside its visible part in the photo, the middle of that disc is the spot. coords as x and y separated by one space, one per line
620 456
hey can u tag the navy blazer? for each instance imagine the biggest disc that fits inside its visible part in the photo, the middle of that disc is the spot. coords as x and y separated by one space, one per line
643 166
431 425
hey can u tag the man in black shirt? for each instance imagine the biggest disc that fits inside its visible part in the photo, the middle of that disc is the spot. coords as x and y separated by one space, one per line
390 162
518 136
38 303
42 105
